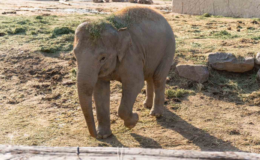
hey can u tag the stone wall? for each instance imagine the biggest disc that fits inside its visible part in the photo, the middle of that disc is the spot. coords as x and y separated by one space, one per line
229 8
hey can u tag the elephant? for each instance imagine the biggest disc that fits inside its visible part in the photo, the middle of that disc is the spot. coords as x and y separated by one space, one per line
133 45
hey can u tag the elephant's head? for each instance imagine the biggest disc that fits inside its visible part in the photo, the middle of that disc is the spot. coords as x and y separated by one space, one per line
97 53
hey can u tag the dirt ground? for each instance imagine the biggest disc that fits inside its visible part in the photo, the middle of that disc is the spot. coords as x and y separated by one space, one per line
38 97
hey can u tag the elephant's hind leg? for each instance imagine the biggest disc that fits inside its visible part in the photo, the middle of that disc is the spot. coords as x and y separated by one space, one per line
102 101
159 88
159 80
148 103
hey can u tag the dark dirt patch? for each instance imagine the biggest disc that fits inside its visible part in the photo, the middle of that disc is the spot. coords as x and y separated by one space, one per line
27 67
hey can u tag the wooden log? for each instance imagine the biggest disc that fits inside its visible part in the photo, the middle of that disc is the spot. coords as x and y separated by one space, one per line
112 153
64 2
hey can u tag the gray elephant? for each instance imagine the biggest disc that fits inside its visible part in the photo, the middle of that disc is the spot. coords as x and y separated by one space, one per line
134 45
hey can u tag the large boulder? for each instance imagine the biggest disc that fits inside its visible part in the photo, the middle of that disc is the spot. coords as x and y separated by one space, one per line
257 59
229 62
198 73
145 1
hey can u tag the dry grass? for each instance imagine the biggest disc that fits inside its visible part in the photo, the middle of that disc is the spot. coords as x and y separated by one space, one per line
39 108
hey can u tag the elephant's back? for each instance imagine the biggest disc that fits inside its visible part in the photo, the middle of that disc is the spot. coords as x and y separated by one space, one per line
152 37
136 14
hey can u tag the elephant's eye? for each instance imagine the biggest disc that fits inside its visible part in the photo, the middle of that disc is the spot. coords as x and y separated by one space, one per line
102 59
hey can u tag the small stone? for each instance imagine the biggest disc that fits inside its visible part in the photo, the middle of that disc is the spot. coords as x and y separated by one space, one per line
69 82
229 62
257 59
198 73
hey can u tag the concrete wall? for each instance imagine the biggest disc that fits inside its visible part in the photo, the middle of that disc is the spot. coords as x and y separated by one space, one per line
229 8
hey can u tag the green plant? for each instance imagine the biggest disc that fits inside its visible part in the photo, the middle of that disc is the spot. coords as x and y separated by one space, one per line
206 15
177 93
61 30
48 49
19 30
38 17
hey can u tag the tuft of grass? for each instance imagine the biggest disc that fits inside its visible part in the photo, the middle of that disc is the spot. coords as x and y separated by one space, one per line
256 19
62 30
38 17
223 34
118 24
256 38
23 22
49 49
74 73
19 30
206 15
96 27
177 93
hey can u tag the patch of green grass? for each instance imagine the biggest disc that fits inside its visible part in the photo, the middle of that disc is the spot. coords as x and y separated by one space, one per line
177 93
74 73
232 85
23 22
54 47
118 24
223 35
95 28
195 45
38 17
256 19
49 49
256 38
206 15
19 30
62 30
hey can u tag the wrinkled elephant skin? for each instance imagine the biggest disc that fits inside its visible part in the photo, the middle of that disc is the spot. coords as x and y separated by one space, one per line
142 51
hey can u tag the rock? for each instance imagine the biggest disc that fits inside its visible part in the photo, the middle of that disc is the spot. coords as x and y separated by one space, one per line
11 12
69 82
198 73
257 59
145 1
229 62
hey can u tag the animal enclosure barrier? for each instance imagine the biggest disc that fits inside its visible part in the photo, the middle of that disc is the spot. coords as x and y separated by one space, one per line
229 8
112 153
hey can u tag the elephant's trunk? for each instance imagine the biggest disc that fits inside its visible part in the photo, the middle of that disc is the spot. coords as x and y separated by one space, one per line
85 89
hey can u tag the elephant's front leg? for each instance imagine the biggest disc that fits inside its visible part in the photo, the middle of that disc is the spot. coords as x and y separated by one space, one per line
130 92
102 101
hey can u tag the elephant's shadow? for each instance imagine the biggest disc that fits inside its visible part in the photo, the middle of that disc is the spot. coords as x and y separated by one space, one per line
199 137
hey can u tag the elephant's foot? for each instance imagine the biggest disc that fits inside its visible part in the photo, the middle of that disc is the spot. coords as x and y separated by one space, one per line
157 112
103 132
130 123
147 105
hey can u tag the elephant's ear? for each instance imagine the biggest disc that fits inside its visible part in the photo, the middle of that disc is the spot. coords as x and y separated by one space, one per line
124 43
